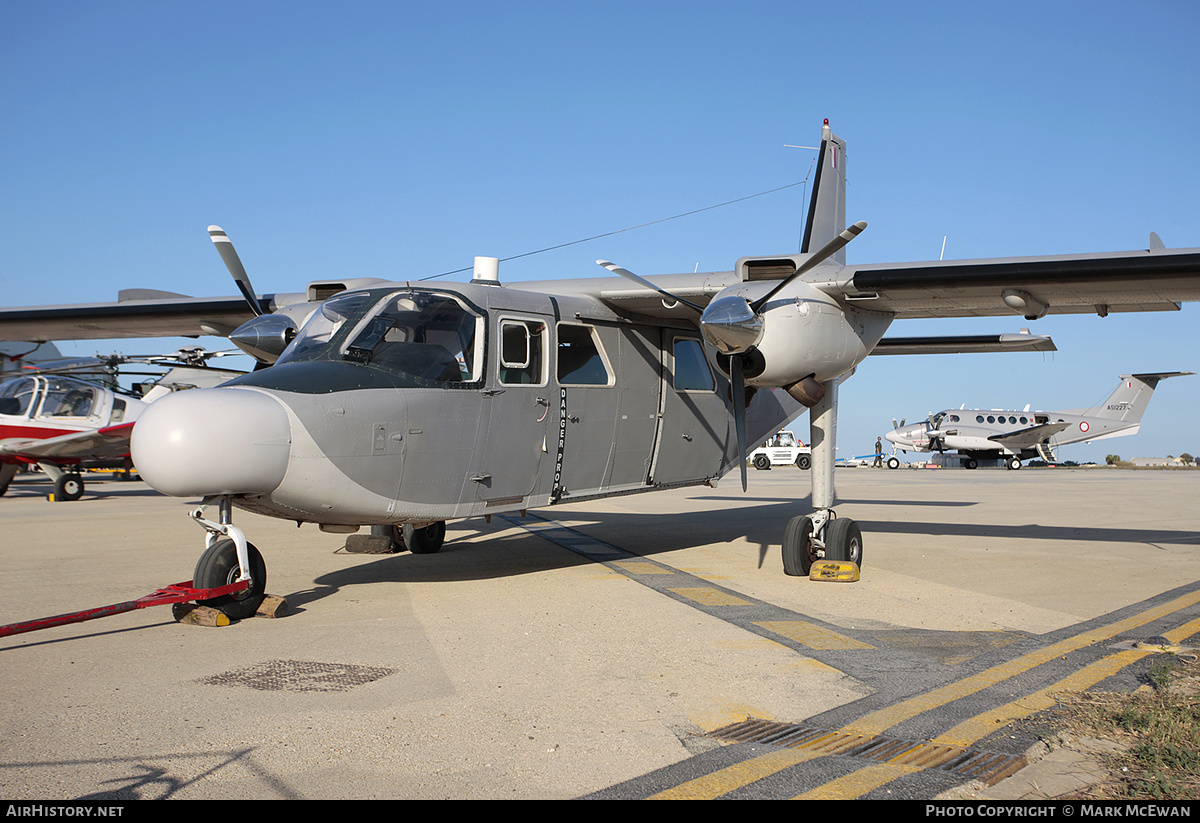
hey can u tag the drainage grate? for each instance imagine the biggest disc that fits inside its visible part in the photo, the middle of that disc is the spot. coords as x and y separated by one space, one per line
299 676
987 767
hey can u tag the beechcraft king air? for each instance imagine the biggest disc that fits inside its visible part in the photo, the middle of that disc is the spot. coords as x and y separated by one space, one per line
1013 436
398 406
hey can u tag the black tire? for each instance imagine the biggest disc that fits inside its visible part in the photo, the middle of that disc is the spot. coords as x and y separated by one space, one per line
425 540
970 463
893 462
798 549
843 541
68 487
218 566
1014 463
803 461
762 462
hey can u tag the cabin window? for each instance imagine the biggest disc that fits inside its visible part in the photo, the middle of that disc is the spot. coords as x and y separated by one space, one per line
15 395
521 347
1024 421
979 418
580 358
991 418
691 371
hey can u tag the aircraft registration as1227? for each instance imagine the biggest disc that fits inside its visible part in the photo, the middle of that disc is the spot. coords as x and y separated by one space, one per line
401 405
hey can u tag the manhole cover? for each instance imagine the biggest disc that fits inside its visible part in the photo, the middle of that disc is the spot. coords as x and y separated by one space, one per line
299 676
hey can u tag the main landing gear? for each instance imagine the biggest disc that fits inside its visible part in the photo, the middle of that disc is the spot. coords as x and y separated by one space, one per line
802 547
821 535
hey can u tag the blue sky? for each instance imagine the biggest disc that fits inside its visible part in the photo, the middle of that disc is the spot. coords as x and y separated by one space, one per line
399 140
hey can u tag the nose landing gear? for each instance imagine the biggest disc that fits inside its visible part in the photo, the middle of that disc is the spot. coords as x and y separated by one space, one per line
229 558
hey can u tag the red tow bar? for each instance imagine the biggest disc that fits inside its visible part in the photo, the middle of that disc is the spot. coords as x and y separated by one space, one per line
179 593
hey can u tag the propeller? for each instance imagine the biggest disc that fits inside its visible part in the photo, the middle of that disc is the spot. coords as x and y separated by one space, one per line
234 264
734 325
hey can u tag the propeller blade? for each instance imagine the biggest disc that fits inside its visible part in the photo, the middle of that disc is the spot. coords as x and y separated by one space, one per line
739 411
641 281
828 250
234 264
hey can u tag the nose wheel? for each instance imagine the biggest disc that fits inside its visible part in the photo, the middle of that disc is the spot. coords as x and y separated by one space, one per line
219 566
228 558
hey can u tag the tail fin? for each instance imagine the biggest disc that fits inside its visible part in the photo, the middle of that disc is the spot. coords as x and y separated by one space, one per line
827 210
1130 399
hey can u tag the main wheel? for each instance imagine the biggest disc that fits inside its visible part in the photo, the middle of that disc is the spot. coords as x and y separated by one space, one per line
893 462
762 462
424 540
843 541
218 566
1014 463
798 549
68 487
970 463
803 461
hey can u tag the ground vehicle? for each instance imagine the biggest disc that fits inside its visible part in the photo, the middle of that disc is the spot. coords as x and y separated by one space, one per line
781 449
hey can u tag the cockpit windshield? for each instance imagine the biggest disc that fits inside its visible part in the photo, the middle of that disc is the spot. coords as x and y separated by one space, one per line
428 335
324 324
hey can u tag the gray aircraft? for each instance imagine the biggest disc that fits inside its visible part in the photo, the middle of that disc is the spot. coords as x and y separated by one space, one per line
1014 436
399 406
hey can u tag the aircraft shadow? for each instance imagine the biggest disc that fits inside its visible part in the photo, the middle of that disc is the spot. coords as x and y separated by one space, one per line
492 551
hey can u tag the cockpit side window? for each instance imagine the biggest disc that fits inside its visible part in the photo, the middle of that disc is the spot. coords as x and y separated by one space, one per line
423 334
68 400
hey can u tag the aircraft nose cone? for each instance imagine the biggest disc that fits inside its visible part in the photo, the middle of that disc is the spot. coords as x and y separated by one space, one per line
212 441
892 437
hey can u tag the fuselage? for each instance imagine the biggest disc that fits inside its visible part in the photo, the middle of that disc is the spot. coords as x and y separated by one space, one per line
418 403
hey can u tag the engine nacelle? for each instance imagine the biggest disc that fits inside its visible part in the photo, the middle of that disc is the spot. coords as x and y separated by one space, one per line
803 333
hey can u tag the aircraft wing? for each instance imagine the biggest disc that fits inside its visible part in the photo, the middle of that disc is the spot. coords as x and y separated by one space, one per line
1028 438
99 444
175 316
1152 280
